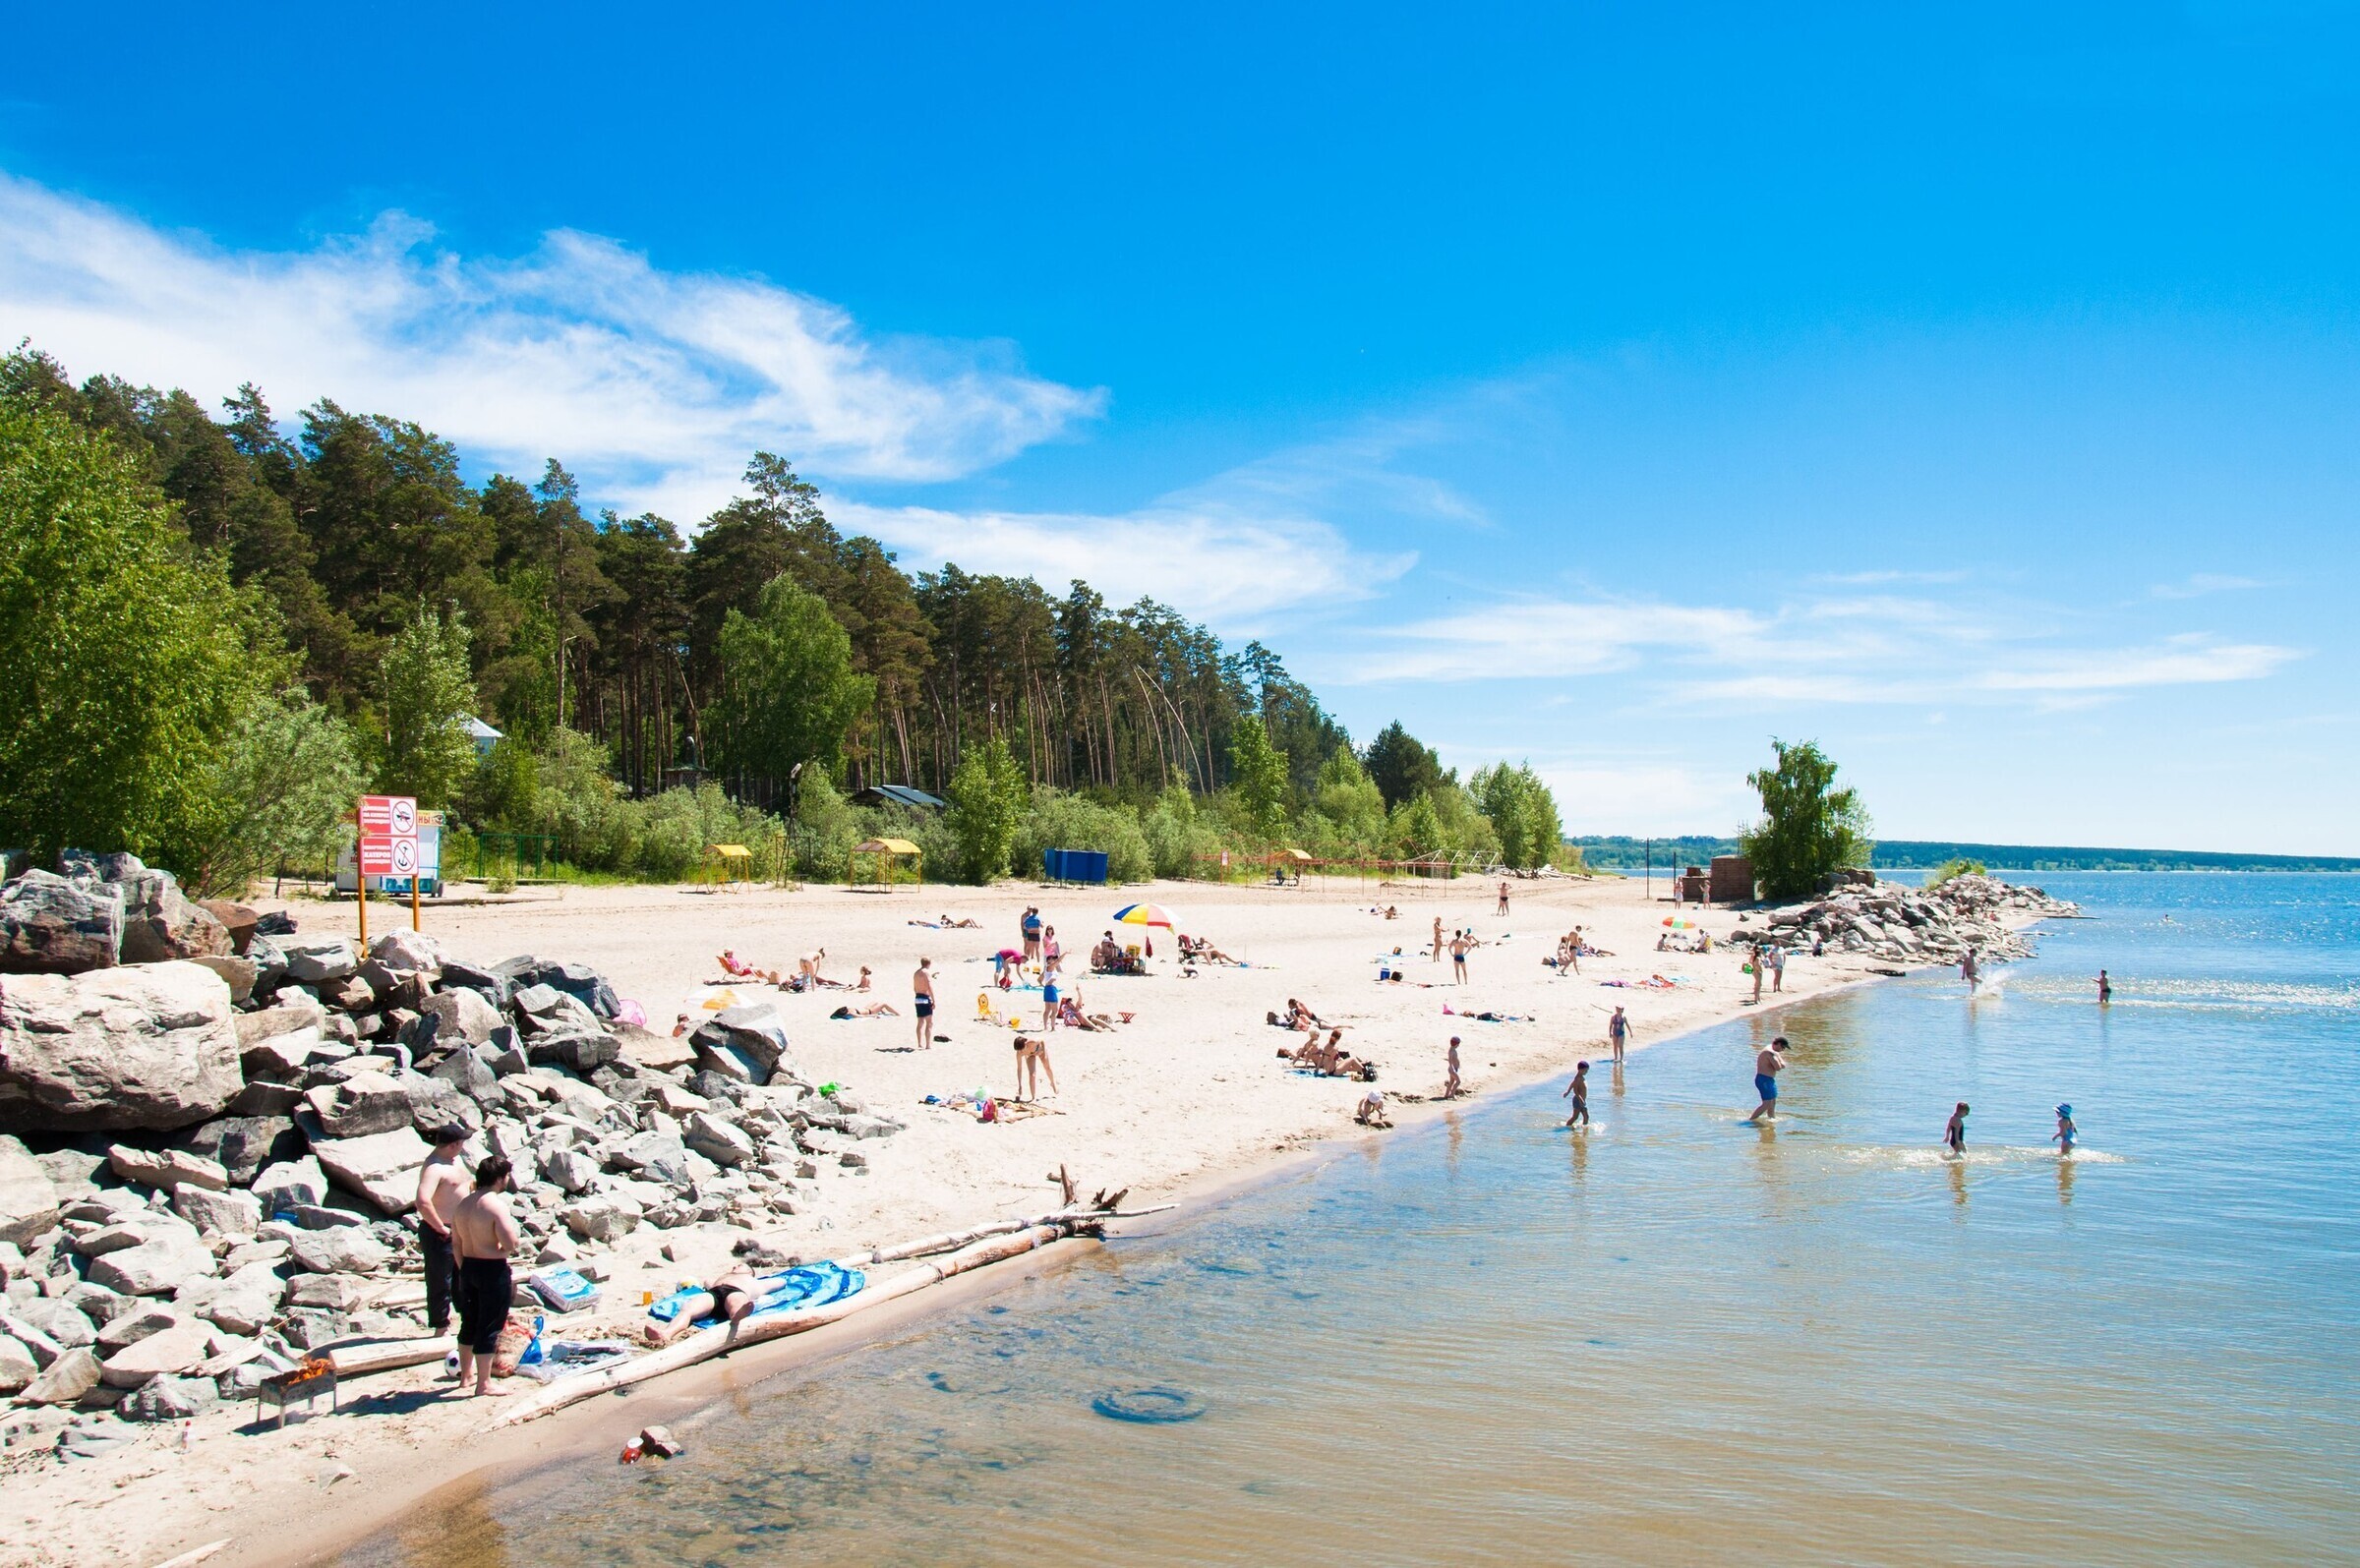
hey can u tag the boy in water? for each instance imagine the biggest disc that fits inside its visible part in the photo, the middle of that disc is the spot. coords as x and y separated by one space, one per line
1954 1132
2066 1131
2105 987
1768 1062
1578 1091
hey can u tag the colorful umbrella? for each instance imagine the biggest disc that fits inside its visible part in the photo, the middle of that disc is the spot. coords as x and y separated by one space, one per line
1678 924
1146 914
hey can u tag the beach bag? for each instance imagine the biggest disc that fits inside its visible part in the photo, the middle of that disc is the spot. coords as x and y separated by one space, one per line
515 1338
564 1290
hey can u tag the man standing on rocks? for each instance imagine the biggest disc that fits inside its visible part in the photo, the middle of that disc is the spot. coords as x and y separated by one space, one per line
1768 1062
484 1233
441 1185
922 983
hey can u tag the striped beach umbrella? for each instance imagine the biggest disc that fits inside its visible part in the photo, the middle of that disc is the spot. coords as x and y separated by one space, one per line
1678 924
1149 914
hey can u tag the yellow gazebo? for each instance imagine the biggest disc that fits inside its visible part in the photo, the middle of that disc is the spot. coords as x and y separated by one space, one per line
730 862
884 857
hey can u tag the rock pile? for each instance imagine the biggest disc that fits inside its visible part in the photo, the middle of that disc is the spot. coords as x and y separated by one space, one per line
275 1088
1910 925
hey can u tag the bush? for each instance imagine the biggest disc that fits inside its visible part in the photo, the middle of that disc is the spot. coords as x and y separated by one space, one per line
1061 821
1176 836
1961 867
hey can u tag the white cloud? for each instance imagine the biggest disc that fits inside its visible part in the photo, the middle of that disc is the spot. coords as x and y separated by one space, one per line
1231 565
2198 584
1863 650
656 385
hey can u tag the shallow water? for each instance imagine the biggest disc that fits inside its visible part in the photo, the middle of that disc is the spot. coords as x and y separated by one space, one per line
1674 1336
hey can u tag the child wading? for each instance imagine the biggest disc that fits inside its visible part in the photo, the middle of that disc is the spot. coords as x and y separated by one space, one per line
1954 1132
1578 1091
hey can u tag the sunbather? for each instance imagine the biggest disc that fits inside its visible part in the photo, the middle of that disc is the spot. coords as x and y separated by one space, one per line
875 1010
737 968
949 924
733 1295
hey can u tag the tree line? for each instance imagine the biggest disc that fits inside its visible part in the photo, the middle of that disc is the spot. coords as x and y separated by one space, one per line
229 629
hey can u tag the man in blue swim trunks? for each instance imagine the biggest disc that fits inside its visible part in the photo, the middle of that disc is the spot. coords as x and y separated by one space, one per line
1767 1063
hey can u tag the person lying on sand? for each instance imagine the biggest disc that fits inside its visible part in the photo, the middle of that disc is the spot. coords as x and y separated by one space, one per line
733 1295
1069 1015
949 924
737 968
875 1010
1203 951
1371 1110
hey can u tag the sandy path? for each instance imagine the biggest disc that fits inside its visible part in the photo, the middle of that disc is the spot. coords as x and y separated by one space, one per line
1189 1096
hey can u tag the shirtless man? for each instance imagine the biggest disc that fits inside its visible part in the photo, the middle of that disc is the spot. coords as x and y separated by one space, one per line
483 1233
1450 1085
922 983
2105 987
1458 957
441 1184
1768 1062
1967 969
1503 909
734 1295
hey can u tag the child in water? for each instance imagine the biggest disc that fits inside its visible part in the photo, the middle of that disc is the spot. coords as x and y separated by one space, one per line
2066 1131
1578 1091
1954 1133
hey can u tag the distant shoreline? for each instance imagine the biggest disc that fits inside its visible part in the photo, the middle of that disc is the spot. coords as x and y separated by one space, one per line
1615 853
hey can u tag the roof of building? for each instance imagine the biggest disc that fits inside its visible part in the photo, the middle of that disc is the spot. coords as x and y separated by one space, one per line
900 795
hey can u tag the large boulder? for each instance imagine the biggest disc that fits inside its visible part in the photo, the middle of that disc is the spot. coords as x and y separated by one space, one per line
462 1015
381 1167
175 1350
492 985
407 950
220 1213
243 1145
292 1183
236 918
69 1377
314 960
157 1266
159 924
55 925
169 1169
238 974
362 1104
245 1301
29 1199
154 1045
168 1398
747 1043
16 1367
716 1139
342 1250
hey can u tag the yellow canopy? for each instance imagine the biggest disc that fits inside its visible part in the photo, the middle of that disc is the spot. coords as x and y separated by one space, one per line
886 847
730 852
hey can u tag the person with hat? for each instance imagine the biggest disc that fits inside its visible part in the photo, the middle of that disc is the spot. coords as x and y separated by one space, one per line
441 1184
2066 1131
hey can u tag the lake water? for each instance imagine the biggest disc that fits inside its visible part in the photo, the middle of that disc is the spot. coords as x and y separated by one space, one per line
1672 1338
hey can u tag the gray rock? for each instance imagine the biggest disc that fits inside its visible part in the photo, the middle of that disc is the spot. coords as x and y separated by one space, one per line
52 925
60 1320
239 975
311 1327
174 1349
152 1045
853 1160
155 1267
72 1375
77 1443
407 950
510 1057
658 1156
745 1043
601 1219
342 1293
129 1328
315 961
570 1170
381 1167
321 1217
716 1139
171 1399
166 1169
245 1302
243 1145
29 1199
494 987
468 1073
223 1213
582 1051
291 1010
868 1127
17 1368
291 1185
160 925
363 1104
342 1251
96 1302
237 919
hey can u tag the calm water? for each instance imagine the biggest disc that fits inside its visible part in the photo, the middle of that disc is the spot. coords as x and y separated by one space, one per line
1674 1337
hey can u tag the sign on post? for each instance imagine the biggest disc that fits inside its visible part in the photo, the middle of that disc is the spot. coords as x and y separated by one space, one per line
388 846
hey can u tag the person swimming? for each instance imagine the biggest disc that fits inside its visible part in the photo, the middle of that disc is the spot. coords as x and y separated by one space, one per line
2066 1131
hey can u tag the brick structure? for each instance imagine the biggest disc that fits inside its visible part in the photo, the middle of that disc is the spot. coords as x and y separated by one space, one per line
1731 879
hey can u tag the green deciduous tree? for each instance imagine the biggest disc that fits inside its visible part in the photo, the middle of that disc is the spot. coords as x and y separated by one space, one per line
428 701
1258 772
1809 827
276 791
988 799
789 691
1522 813
127 651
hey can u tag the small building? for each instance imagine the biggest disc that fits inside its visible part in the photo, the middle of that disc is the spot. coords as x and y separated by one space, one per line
1731 879
484 737
1691 886
899 795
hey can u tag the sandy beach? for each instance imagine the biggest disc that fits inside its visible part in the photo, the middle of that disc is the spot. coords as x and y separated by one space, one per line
1188 1099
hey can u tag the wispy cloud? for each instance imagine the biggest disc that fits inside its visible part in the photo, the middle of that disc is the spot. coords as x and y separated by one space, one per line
2198 584
1868 649
656 383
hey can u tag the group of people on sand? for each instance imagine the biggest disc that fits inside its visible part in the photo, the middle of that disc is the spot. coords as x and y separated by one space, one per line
805 975
1329 1059
1461 943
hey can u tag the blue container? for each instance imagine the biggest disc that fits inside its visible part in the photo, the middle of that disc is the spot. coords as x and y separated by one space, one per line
1074 865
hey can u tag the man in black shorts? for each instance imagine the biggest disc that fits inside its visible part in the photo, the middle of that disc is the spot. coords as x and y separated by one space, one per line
922 983
483 1234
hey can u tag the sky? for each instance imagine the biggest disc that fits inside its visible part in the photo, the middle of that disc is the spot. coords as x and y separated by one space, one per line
1974 390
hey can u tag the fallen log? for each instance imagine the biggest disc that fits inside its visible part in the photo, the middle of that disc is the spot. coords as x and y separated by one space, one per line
383 1356
705 1344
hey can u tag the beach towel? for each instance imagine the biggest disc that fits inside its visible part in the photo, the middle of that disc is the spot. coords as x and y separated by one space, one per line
790 1290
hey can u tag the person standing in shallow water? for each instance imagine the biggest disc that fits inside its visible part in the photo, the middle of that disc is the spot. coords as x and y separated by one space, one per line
1768 1062
2105 987
1954 1132
1618 1033
1578 1091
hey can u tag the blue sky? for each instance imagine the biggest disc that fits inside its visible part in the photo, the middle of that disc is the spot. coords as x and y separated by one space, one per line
1972 389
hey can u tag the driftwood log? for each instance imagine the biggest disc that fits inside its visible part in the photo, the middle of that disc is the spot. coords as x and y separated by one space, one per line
965 1250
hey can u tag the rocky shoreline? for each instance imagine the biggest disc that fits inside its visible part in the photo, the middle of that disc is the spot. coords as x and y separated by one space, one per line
1941 924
